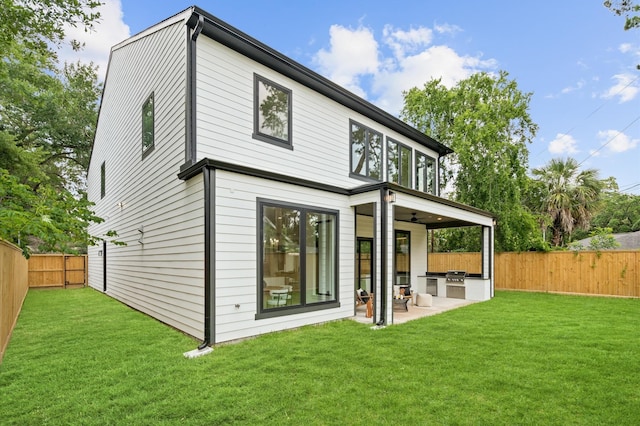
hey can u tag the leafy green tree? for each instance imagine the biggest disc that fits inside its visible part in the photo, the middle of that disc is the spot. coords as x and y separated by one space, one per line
485 120
618 211
47 119
570 197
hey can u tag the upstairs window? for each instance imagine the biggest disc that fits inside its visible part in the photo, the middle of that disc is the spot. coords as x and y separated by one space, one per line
148 125
398 163
272 112
102 180
425 173
366 152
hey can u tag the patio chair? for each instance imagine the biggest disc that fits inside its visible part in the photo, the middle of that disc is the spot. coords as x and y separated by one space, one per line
364 298
278 297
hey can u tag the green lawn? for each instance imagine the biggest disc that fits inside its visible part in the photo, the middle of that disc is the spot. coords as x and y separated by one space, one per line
79 357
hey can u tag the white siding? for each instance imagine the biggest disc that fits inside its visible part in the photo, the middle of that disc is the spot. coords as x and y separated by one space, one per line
164 276
320 126
236 254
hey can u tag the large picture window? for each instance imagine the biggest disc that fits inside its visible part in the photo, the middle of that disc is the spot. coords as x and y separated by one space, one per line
272 112
148 125
398 163
425 173
366 152
298 257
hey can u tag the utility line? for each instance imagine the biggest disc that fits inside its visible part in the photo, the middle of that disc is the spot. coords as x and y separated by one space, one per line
609 141
568 133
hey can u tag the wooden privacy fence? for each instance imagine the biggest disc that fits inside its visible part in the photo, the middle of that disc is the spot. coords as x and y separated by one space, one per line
57 270
614 273
13 289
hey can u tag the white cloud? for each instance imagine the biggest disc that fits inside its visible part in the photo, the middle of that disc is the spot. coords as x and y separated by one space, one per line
563 144
404 59
352 53
579 85
626 88
447 28
617 141
403 42
109 31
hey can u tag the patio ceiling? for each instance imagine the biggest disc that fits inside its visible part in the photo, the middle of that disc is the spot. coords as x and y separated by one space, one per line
430 220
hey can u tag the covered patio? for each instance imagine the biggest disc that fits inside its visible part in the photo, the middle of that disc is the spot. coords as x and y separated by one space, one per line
392 225
400 316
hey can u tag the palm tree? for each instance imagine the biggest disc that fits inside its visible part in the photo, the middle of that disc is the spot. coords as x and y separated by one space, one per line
569 197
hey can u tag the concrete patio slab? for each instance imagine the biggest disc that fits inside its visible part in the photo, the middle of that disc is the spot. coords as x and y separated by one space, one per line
439 305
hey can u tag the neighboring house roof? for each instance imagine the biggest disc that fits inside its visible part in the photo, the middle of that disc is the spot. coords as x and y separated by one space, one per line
627 241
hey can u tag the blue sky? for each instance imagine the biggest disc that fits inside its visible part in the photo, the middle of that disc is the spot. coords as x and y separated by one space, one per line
573 55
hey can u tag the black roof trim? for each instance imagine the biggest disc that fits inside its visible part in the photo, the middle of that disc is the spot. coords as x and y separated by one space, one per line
246 45
190 170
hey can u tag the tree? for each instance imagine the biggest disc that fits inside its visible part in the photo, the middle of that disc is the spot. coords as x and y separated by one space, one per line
47 119
570 197
626 8
618 211
485 120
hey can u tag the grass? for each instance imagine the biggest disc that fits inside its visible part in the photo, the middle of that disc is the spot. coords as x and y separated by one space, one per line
79 357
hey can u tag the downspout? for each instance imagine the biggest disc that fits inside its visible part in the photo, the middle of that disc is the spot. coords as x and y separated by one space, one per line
194 25
383 255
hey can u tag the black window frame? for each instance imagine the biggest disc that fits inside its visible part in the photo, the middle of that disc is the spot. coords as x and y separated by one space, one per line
395 256
103 177
425 177
257 133
401 177
304 306
367 167
147 147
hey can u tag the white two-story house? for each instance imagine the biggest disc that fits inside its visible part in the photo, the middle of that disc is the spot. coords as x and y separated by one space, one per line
248 188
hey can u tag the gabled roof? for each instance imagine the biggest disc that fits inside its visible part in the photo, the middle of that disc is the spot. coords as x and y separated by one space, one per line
627 241
246 45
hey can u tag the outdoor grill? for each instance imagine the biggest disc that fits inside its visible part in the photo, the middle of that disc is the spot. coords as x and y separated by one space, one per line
455 277
455 284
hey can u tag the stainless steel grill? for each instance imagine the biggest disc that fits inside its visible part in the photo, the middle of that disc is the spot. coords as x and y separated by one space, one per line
455 277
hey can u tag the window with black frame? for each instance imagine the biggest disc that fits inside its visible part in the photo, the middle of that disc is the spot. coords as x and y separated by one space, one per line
425 173
272 112
403 258
298 256
398 163
148 125
366 152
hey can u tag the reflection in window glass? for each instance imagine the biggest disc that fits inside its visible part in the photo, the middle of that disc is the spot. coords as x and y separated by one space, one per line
403 257
148 124
273 110
280 256
425 173
102 180
366 152
298 257
320 257
398 163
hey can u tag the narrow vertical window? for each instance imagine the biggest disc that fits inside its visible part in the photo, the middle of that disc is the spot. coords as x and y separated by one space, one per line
102 180
403 258
272 112
425 173
148 125
366 152
398 163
